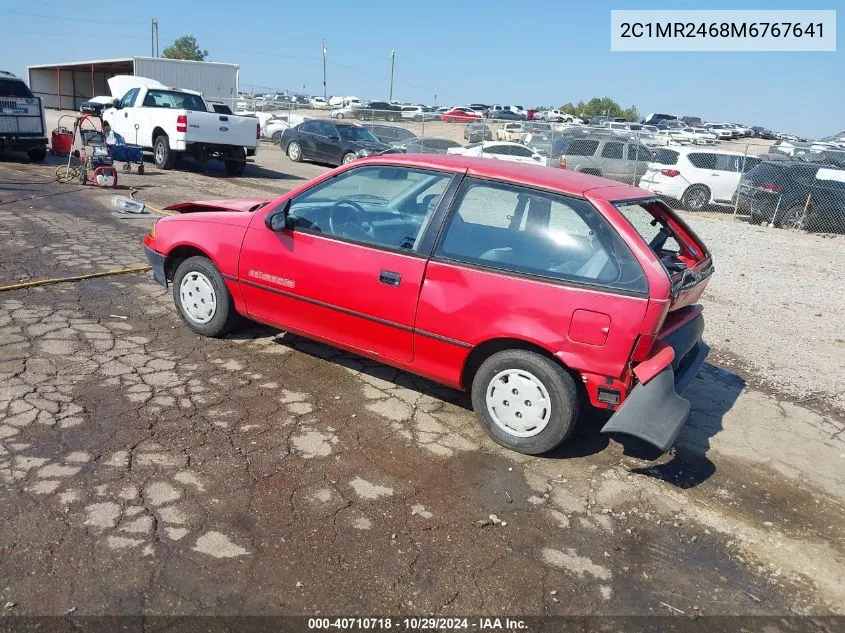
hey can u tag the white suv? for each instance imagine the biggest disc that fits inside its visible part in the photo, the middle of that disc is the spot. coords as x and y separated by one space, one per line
696 177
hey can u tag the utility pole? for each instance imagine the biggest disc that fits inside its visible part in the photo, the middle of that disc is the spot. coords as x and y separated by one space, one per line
154 38
392 62
325 93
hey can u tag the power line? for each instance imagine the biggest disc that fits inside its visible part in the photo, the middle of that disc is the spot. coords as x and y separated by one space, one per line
72 19
73 34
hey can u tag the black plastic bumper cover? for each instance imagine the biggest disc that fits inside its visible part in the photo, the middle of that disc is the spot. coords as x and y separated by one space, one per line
23 143
654 411
156 260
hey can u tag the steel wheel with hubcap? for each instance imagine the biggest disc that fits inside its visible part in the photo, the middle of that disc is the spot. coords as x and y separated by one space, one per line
518 403
198 298
525 400
202 298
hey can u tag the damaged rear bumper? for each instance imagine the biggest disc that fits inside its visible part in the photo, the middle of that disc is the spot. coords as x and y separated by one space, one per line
654 411
156 260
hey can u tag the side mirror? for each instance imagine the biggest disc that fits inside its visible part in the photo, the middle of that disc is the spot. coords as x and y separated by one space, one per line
280 220
116 104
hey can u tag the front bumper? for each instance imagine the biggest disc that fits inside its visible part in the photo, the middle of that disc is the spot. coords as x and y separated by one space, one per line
654 411
22 143
156 260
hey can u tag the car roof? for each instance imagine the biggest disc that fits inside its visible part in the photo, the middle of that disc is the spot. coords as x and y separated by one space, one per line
560 180
699 150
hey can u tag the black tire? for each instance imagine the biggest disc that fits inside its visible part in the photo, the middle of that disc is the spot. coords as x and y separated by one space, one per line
348 157
558 384
237 165
297 157
225 315
141 169
696 198
277 136
163 157
794 218
37 154
127 168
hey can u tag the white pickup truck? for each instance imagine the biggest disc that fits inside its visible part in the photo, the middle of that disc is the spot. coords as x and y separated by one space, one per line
173 122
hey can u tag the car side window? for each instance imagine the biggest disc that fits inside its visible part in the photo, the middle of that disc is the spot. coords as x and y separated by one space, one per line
612 150
309 127
582 147
128 99
388 207
526 231
703 160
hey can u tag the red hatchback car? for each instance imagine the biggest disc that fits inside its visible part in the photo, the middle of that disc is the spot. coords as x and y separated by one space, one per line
535 289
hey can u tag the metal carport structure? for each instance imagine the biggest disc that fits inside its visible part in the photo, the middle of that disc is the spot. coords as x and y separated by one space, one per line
65 86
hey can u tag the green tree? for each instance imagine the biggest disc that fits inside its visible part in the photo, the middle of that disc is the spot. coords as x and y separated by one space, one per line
185 47
600 106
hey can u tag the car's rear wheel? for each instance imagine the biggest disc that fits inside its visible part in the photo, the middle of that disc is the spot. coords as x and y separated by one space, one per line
695 198
294 151
202 298
163 157
527 402
794 218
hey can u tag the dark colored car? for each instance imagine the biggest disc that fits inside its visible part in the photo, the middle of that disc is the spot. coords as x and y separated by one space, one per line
794 194
329 142
389 134
761 132
427 145
506 115
477 131
383 110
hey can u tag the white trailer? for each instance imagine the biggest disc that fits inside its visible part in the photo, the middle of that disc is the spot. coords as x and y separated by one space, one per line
65 86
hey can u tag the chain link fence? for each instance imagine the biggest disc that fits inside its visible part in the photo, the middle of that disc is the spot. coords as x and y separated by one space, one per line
717 168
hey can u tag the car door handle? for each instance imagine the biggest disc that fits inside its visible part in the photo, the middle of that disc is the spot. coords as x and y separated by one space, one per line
125 115
389 278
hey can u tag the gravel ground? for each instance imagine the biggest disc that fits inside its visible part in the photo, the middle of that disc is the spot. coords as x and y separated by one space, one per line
774 307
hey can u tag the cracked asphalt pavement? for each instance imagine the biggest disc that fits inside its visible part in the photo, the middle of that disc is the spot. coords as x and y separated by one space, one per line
147 470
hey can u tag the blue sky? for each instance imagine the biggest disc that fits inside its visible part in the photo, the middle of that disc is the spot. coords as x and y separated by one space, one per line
538 52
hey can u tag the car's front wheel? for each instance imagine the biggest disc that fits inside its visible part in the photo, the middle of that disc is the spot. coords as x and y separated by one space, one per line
348 157
294 152
202 298
527 402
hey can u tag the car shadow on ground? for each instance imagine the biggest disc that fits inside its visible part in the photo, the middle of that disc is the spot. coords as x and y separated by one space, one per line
216 169
585 440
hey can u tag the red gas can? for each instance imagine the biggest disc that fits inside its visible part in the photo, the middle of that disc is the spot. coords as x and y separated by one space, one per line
62 141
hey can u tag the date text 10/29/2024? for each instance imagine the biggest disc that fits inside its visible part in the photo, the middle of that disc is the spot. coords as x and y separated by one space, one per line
417 624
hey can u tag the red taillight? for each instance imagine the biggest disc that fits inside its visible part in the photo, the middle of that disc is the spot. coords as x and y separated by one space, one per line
670 172
182 123
258 130
562 163
642 348
767 186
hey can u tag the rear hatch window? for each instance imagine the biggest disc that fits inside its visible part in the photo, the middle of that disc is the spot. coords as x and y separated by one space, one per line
14 88
682 253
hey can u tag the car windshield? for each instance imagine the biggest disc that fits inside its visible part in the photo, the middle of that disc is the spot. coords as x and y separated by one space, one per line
14 88
356 133
174 99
